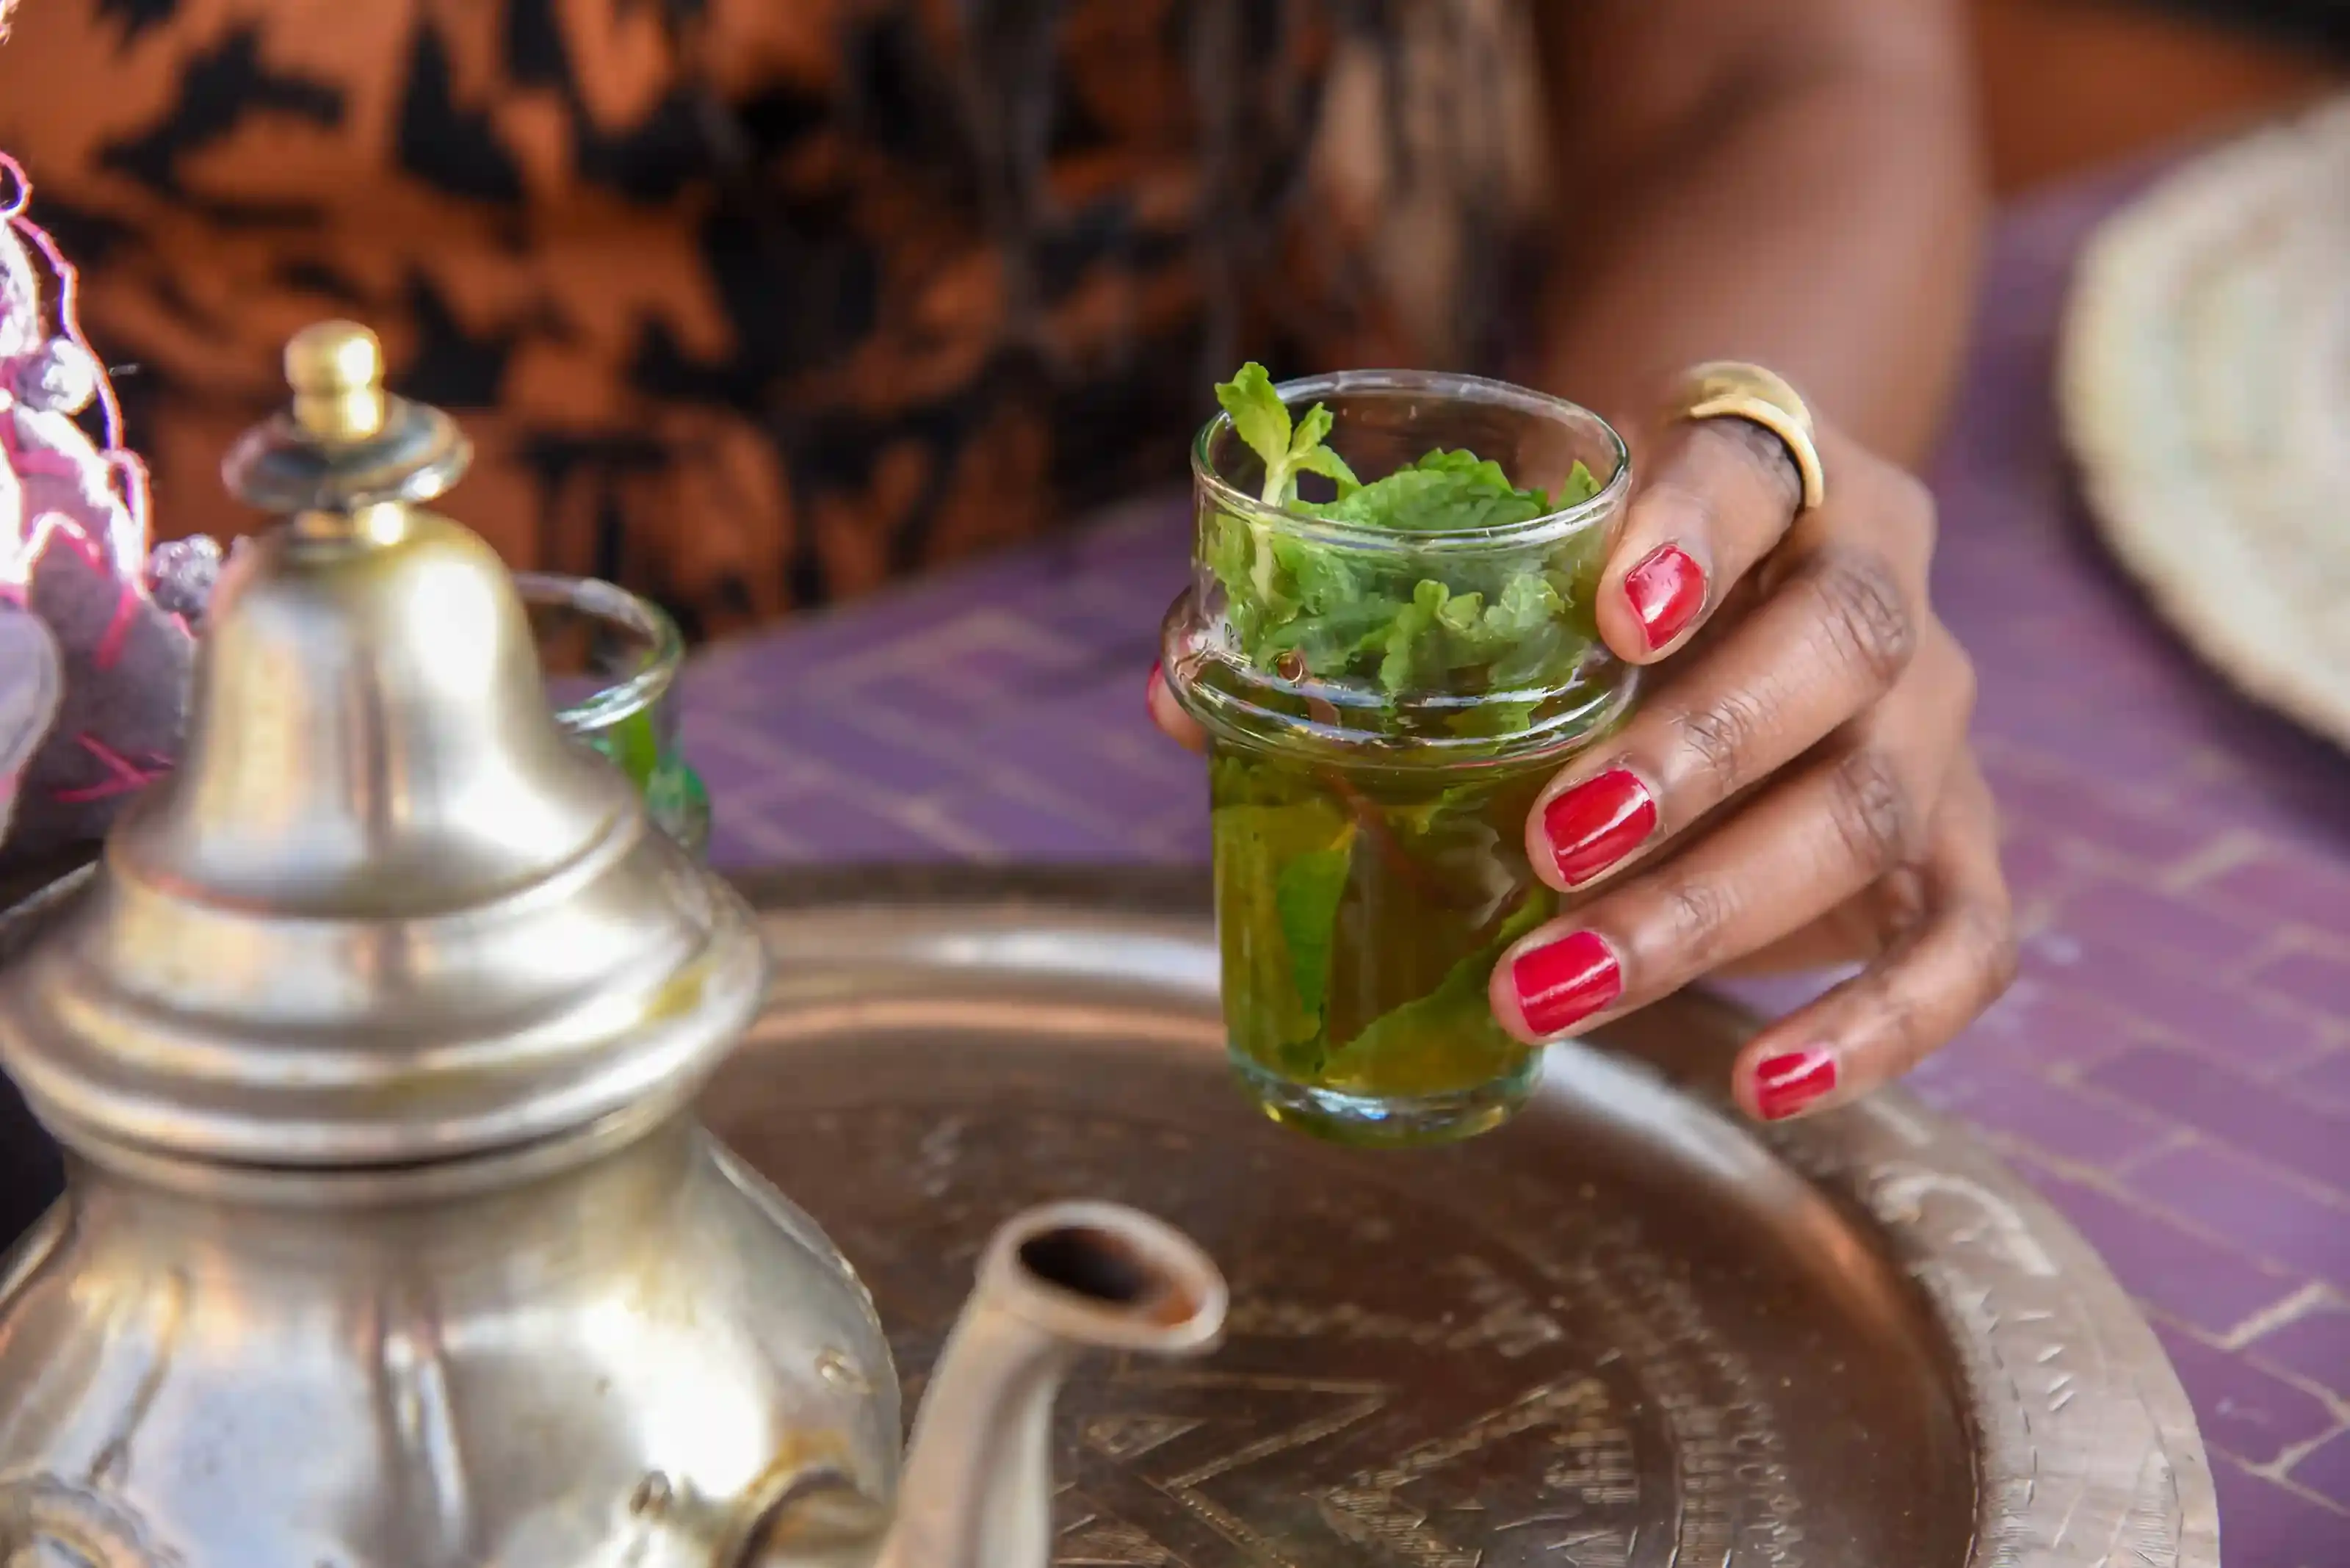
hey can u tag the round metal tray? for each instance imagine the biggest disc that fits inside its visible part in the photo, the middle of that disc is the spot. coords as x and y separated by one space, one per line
1628 1331
1625 1330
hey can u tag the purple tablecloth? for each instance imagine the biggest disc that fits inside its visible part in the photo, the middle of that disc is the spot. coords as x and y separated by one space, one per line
2173 1068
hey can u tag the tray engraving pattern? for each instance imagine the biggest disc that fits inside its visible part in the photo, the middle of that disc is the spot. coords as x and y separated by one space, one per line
1625 1333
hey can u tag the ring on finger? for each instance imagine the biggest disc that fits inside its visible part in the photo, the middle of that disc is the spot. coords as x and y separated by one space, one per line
1735 390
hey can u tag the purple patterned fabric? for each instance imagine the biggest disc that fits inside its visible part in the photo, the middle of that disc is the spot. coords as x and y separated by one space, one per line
73 553
125 662
31 686
2173 1068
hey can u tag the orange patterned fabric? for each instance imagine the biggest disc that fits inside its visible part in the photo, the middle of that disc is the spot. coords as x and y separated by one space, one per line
747 303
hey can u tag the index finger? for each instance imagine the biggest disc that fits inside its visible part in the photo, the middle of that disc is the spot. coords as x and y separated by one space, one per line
1722 495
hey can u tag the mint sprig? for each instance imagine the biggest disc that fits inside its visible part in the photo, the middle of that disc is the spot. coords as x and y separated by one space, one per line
1261 420
1492 623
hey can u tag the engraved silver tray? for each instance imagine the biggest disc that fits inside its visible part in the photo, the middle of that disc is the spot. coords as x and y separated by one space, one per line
1625 1330
1628 1331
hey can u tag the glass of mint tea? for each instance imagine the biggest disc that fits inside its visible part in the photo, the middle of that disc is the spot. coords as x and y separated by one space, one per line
612 660
1389 641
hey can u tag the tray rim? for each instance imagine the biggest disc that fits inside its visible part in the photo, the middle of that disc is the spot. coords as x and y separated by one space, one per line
1885 1159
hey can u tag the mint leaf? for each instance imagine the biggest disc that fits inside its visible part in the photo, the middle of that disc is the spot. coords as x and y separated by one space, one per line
633 745
1482 471
1257 896
1529 601
1260 416
1322 579
1461 613
1321 460
1404 635
1444 491
1306 895
1329 643
1311 430
1441 630
1581 485
1458 1001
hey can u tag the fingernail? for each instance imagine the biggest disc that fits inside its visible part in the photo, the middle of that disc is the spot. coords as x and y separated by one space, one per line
1598 823
1150 684
1667 589
1787 1083
1562 984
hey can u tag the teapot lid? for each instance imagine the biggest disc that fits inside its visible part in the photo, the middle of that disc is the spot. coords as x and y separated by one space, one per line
384 913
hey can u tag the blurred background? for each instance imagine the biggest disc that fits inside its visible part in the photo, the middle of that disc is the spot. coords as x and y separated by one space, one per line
2072 84
2172 1068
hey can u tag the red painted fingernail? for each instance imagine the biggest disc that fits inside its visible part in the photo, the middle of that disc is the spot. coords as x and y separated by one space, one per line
1786 1083
1667 589
1598 823
1562 984
1149 684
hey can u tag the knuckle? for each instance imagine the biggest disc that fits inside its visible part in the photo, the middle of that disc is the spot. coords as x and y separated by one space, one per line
1905 1020
1865 616
1886 1034
1765 459
1693 917
1876 824
1901 902
1688 504
1717 738
1906 1040
1990 934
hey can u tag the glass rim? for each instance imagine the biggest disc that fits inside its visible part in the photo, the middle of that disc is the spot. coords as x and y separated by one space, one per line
630 695
1309 389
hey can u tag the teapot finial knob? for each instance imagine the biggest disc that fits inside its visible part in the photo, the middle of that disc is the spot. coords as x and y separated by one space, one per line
347 448
335 368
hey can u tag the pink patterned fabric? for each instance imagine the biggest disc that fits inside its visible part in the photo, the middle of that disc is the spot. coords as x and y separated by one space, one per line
93 669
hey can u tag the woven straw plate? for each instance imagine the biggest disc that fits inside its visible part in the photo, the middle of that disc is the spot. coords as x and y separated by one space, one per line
2204 385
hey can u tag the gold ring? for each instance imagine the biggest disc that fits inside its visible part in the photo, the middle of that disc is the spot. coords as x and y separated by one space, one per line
1732 389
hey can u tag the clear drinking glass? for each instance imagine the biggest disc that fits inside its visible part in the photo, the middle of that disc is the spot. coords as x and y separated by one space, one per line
1373 759
611 660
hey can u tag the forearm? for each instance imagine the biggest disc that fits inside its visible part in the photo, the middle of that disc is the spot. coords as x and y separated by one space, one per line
1826 227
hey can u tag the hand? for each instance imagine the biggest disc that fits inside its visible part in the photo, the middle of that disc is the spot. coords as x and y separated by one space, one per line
1795 789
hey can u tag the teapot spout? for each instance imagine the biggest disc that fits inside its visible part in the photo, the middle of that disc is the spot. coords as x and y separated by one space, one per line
1053 1283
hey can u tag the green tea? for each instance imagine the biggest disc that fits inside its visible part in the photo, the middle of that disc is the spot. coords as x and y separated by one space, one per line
1359 912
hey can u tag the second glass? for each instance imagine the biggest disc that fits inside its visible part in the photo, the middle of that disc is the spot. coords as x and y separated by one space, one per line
1384 701
612 660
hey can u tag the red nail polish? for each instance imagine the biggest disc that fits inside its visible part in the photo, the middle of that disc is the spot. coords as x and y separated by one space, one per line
1667 589
1787 1083
1598 823
1150 681
1562 984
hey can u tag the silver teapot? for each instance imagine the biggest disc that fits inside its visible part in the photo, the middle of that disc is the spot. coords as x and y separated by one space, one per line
390 1238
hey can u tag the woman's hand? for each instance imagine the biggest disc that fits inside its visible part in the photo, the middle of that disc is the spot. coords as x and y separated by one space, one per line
1794 790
